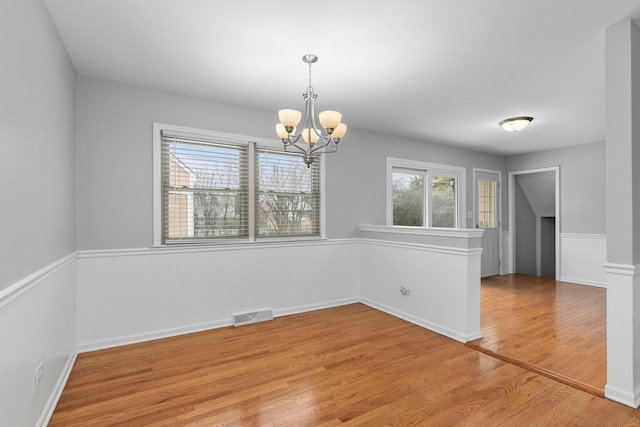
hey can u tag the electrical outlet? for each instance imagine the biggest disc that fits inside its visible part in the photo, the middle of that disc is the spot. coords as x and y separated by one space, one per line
39 373
405 291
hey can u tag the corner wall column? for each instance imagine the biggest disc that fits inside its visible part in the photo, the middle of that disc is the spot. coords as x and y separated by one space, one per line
623 212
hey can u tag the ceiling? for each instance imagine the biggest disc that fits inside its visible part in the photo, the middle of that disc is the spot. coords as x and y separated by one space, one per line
443 71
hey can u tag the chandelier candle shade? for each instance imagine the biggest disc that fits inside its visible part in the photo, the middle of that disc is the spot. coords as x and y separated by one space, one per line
316 139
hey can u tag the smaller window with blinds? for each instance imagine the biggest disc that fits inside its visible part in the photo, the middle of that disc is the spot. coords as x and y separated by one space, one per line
205 191
212 188
288 195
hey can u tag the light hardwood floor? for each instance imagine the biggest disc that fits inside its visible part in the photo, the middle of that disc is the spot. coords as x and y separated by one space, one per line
552 327
348 366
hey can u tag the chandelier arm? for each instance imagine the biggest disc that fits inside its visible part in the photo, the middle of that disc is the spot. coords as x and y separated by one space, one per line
293 139
335 148
318 147
296 146
330 144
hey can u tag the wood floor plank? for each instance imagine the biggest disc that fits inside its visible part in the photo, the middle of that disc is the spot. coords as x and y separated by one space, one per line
555 328
349 365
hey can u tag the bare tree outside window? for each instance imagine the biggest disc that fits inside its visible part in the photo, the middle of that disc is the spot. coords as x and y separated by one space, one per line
443 202
214 198
287 203
218 213
408 199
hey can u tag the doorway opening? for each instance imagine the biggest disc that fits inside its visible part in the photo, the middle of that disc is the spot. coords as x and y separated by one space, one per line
517 309
534 221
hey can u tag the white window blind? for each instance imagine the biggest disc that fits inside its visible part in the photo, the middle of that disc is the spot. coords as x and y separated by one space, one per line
213 187
287 195
205 189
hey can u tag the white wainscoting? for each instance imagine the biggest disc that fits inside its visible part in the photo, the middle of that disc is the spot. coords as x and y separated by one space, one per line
97 299
128 296
443 279
582 258
37 324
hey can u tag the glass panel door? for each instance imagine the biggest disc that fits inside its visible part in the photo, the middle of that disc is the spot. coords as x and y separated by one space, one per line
487 208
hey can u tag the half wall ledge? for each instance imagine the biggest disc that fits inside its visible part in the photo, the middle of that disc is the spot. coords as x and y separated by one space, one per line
439 266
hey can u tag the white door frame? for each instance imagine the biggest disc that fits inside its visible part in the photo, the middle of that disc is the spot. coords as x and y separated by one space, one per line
512 233
499 207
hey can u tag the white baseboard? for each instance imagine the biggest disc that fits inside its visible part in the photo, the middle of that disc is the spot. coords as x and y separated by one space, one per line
439 329
580 281
54 397
153 335
621 396
221 323
313 307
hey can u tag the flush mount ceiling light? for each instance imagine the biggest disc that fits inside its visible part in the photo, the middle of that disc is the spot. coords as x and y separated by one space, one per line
515 124
315 140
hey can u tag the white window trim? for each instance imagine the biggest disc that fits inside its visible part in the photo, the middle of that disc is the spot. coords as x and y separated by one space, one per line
429 170
157 184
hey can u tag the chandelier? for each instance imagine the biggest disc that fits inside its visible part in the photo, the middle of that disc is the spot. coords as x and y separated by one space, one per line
315 140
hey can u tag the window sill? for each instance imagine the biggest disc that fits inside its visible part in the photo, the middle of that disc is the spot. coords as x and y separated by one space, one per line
239 242
463 233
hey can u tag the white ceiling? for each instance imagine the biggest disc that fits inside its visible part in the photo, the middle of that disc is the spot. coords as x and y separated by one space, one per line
436 70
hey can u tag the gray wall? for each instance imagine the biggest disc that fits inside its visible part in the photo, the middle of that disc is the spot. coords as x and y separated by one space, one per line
623 136
115 165
363 167
38 124
548 247
114 154
525 226
582 184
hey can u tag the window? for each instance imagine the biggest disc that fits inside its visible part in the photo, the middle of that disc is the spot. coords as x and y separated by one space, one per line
205 189
444 201
424 194
214 187
487 204
408 197
287 195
